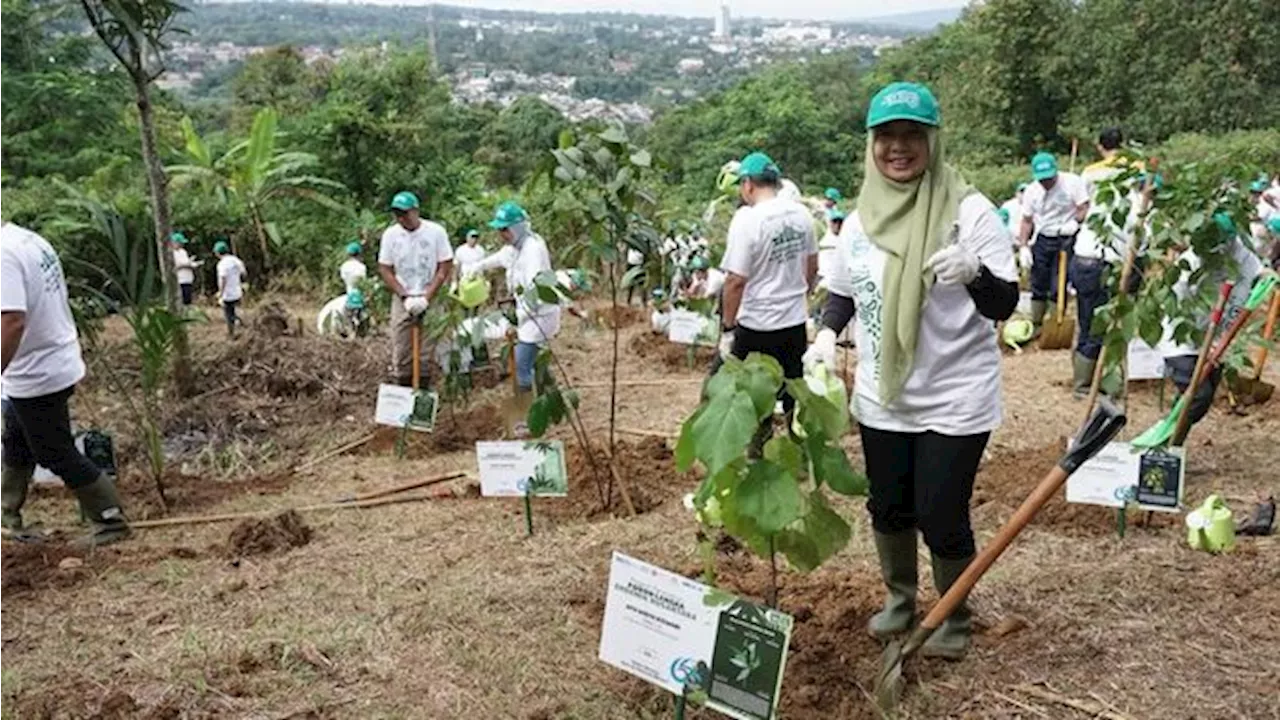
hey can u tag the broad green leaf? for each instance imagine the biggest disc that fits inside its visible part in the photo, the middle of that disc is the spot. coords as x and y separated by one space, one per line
539 416
816 536
685 450
722 429
831 466
614 134
641 158
760 386
783 451
566 139
721 383
769 496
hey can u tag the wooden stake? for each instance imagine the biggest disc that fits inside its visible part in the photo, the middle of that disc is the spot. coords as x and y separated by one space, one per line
322 507
1090 708
345 447
404 487
622 487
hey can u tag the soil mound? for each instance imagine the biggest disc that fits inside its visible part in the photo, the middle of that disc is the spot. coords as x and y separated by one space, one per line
673 356
647 467
32 566
454 433
621 317
262 536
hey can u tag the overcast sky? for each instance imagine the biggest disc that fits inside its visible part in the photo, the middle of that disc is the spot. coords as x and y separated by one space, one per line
800 9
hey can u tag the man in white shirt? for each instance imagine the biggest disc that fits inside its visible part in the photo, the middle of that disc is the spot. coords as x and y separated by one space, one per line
1054 206
352 270
415 260
184 267
469 252
770 264
42 365
231 273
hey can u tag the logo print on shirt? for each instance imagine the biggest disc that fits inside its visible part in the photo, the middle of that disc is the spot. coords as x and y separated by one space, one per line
868 298
786 244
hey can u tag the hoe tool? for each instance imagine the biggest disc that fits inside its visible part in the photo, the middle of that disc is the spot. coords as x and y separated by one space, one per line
1059 330
1253 391
1105 423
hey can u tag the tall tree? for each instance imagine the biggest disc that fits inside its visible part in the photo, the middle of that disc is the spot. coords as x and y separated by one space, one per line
136 32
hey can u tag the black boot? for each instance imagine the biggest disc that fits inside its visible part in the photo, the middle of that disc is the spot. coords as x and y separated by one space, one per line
101 505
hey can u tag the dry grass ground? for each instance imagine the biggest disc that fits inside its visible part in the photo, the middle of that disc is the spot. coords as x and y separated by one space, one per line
443 609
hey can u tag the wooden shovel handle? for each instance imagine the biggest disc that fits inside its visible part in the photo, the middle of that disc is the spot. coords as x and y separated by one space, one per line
1267 330
415 341
1062 285
991 552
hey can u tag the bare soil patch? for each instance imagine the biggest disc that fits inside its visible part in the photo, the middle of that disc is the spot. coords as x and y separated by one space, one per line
622 316
454 432
673 356
646 465
261 536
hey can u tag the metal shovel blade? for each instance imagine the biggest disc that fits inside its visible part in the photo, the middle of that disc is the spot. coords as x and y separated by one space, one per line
888 687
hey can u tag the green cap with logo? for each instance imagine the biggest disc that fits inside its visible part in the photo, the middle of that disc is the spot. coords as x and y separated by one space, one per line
353 248
1274 224
1225 225
904 101
508 213
178 238
758 165
404 200
221 247
1043 166
1259 185
833 195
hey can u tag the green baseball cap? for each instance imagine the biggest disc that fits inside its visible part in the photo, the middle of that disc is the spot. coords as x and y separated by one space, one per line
757 165
1043 166
1225 224
1274 224
834 215
353 248
833 195
508 213
404 200
472 232
698 263
1259 185
178 238
221 247
904 101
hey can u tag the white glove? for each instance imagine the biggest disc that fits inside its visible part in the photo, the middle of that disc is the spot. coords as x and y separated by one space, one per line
726 344
1070 227
955 265
1025 260
822 351
415 305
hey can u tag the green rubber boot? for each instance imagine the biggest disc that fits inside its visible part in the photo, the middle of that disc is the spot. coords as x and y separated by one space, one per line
1081 375
101 505
1038 310
951 641
14 482
898 568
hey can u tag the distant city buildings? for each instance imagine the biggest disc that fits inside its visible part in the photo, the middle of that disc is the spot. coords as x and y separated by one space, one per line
722 28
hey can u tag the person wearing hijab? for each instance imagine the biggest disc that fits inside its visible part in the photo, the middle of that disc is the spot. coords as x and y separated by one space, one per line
932 269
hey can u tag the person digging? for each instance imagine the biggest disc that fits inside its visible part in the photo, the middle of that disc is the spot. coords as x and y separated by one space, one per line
42 366
1054 206
932 267
414 260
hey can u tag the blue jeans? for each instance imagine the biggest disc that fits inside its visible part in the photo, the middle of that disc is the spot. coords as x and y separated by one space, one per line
1044 265
526 354
1089 278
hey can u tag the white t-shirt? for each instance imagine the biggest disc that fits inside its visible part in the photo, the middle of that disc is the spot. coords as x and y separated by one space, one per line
954 385
537 321
1053 211
31 282
415 255
833 275
467 254
183 267
231 272
352 271
1088 244
634 257
769 244
1246 267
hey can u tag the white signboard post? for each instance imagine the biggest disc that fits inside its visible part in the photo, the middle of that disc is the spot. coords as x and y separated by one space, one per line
1120 475
517 468
690 328
399 406
1144 362
686 637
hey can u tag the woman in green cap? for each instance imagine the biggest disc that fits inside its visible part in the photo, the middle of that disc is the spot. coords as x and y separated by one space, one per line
932 268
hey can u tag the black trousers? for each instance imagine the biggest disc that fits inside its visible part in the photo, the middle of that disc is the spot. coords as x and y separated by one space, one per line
229 314
37 431
787 346
923 480
1180 369
1044 264
1089 278
186 293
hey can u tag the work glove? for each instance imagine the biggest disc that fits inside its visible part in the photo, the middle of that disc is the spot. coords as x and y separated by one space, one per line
1070 227
822 351
415 305
955 265
1025 261
726 344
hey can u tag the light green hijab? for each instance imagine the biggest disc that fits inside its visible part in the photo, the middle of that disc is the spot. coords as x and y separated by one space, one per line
909 222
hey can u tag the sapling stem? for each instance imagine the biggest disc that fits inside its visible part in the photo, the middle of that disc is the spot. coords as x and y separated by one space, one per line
773 575
528 512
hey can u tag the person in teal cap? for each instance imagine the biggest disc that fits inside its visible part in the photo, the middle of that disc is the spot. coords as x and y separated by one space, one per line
831 198
1273 242
1053 207
353 269
231 274
183 266
415 260
469 252
770 263
932 271
523 257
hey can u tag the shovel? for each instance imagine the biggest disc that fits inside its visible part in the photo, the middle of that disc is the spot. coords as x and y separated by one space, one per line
1059 330
1103 425
1253 391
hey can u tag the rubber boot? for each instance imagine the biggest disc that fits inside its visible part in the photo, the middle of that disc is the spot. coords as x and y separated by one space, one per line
951 641
101 505
897 553
1081 375
1038 310
14 482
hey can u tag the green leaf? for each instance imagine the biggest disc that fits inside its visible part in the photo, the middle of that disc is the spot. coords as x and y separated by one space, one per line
686 452
641 158
722 429
816 536
782 450
831 466
615 135
816 412
759 384
769 496
539 416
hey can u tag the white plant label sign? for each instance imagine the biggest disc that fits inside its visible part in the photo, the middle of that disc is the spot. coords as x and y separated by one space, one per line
690 328
1144 362
516 467
1111 478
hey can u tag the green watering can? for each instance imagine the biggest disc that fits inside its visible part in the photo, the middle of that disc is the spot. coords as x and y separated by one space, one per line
472 291
1210 526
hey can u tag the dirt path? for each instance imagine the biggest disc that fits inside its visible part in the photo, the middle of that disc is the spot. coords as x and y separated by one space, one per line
443 609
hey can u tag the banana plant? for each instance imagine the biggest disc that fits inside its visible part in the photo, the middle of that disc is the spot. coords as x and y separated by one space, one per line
773 499
255 173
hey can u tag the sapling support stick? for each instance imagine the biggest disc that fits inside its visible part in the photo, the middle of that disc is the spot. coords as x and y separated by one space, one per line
773 576
528 512
681 703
